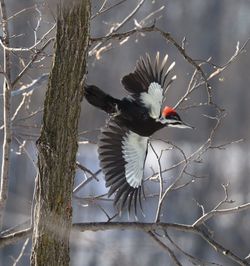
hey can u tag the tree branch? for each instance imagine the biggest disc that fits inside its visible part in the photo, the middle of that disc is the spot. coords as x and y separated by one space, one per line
104 10
148 227
152 28
14 237
165 248
28 49
166 35
115 29
216 212
145 227
28 65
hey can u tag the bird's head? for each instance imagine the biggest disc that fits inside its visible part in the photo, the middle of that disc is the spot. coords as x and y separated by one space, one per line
170 118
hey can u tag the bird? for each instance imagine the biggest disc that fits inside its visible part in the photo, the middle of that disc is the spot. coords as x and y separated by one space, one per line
123 141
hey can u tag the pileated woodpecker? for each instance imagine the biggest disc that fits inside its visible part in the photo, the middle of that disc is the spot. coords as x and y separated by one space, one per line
123 142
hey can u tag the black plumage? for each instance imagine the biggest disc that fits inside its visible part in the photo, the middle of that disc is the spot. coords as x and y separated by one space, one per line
113 165
123 142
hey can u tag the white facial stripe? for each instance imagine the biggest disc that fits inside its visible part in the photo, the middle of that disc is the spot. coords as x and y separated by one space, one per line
153 99
165 121
179 126
134 148
173 123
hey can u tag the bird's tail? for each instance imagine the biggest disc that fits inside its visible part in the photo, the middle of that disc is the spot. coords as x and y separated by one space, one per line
100 99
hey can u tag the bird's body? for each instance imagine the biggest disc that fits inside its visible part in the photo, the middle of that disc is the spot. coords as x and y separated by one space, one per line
123 142
128 112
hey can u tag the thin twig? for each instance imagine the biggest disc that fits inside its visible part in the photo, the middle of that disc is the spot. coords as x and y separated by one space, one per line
103 10
20 12
28 65
14 237
19 107
36 83
85 182
239 50
165 247
31 48
152 14
40 110
11 230
193 259
216 212
85 169
191 85
21 252
116 28
202 149
165 35
158 210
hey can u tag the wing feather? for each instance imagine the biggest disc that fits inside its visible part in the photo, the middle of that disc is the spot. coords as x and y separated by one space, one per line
149 81
146 72
122 156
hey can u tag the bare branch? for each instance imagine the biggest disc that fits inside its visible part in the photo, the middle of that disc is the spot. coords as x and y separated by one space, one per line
219 248
33 47
21 12
85 169
14 237
85 182
190 88
145 227
165 35
21 252
216 212
32 114
36 83
116 28
121 36
19 107
158 211
28 65
193 259
165 248
14 229
104 10
239 50
152 14
202 149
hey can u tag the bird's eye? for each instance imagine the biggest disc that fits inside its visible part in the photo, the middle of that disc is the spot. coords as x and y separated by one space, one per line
173 116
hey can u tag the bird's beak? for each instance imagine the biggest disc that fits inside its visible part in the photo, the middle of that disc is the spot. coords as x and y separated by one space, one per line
184 125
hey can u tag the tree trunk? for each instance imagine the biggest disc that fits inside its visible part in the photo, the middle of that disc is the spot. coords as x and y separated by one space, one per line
57 145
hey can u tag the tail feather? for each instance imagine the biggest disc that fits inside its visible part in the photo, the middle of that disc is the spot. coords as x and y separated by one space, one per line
100 99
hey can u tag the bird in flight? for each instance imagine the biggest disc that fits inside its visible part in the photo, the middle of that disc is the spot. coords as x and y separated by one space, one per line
123 142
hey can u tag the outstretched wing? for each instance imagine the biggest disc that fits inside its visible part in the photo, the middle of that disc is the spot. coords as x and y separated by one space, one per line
122 156
149 81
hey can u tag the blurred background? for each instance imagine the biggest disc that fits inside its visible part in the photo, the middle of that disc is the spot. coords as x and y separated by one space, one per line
211 29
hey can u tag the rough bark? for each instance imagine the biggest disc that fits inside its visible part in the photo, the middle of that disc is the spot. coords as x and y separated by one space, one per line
57 145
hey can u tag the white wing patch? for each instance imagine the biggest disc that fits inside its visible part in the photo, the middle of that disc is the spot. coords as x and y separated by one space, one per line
153 99
134 149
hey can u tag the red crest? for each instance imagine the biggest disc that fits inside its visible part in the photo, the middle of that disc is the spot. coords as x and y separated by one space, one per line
168 111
